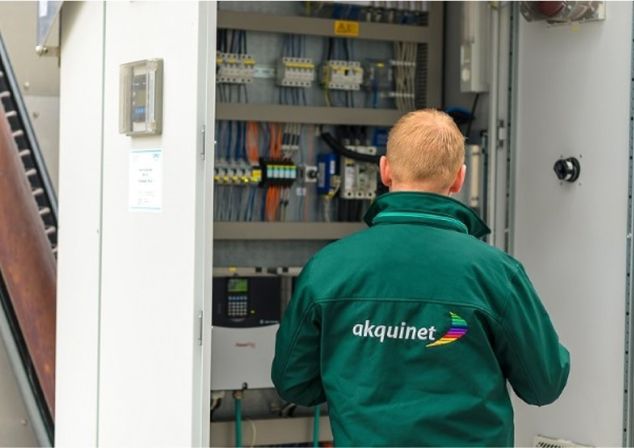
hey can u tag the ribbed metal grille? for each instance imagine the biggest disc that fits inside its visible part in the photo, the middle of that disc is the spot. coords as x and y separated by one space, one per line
421 76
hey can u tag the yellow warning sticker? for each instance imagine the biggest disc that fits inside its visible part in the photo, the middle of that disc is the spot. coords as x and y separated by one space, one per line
346 28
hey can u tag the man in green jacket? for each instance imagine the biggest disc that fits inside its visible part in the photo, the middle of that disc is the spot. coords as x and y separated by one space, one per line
412 328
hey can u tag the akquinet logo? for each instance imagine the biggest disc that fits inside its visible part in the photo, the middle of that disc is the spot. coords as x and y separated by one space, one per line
456 331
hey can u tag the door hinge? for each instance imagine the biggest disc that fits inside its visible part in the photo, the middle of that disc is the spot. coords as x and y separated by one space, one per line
203 153
501 133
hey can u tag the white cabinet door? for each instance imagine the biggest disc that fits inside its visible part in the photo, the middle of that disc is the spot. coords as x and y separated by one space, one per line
573 99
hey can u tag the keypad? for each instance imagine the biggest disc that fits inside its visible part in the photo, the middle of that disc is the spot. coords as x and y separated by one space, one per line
237 305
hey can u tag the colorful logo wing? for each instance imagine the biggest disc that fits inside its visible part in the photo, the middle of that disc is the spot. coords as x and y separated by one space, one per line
457 330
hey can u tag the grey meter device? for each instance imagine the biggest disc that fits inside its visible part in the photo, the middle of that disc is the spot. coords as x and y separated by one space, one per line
141 97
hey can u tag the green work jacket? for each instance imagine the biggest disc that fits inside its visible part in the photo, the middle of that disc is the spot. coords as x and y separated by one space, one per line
412 328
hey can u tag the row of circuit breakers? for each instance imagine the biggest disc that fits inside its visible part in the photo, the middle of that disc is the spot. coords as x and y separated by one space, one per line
351 178
356 180
239 68
246 315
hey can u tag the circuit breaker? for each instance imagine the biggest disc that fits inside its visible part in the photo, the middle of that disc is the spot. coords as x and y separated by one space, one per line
342 75
359 179
234 68
246 316
295 72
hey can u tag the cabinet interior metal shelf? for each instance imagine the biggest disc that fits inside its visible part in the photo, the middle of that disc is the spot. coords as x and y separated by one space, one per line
315 26
278 113
285 230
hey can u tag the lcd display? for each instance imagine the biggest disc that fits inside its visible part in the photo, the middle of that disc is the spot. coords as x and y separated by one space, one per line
237 285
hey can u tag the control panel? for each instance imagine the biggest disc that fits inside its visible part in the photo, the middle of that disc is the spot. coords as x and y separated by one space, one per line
247 308
241 302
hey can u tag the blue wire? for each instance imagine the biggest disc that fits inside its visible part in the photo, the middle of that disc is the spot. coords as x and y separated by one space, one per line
236 148
251 203
263 214
243 132
244 140
218 128
228 147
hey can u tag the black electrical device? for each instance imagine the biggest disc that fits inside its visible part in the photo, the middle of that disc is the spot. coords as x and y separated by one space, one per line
278 172
246 302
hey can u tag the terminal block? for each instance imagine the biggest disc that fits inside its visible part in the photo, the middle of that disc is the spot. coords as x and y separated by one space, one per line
359 179
282 172
291 138
237 173
342 75
400 95
290 147
234 68
295 72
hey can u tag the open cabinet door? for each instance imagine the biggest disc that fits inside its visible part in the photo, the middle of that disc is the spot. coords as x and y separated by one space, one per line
573 99
133 347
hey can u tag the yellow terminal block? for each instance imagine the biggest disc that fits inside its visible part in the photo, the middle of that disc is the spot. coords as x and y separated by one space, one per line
256 175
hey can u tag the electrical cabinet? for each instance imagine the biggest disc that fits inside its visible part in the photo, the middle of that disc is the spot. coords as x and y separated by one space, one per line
269 122
302 112
298 134
257 129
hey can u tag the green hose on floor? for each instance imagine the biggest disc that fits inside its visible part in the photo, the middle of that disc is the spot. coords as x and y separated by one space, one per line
237 395
316 426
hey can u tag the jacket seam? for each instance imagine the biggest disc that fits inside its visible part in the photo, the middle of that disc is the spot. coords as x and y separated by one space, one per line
438 199
451 222
436 302
291 346
438 225
510 337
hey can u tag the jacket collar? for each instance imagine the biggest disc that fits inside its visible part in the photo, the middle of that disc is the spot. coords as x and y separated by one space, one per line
425 208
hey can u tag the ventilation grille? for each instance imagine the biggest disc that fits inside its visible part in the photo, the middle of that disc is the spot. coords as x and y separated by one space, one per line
548 442
421 77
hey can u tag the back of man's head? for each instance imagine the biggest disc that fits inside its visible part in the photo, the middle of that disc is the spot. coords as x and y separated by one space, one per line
425 148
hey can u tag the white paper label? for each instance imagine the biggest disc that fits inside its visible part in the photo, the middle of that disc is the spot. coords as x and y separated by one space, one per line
264 72
43 8
145 190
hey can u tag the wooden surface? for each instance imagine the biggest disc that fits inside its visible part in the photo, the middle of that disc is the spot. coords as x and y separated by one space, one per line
27 264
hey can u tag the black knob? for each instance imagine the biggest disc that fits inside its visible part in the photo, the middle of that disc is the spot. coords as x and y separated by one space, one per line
567 169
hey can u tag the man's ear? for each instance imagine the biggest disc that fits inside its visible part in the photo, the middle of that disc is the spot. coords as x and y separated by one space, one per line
457 184
386 174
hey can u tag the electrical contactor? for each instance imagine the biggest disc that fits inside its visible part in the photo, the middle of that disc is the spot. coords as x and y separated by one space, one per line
342 75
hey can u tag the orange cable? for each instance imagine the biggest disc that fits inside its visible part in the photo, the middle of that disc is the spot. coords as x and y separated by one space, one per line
252 142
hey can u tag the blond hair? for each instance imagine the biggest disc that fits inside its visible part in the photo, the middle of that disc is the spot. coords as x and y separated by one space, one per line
425 146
